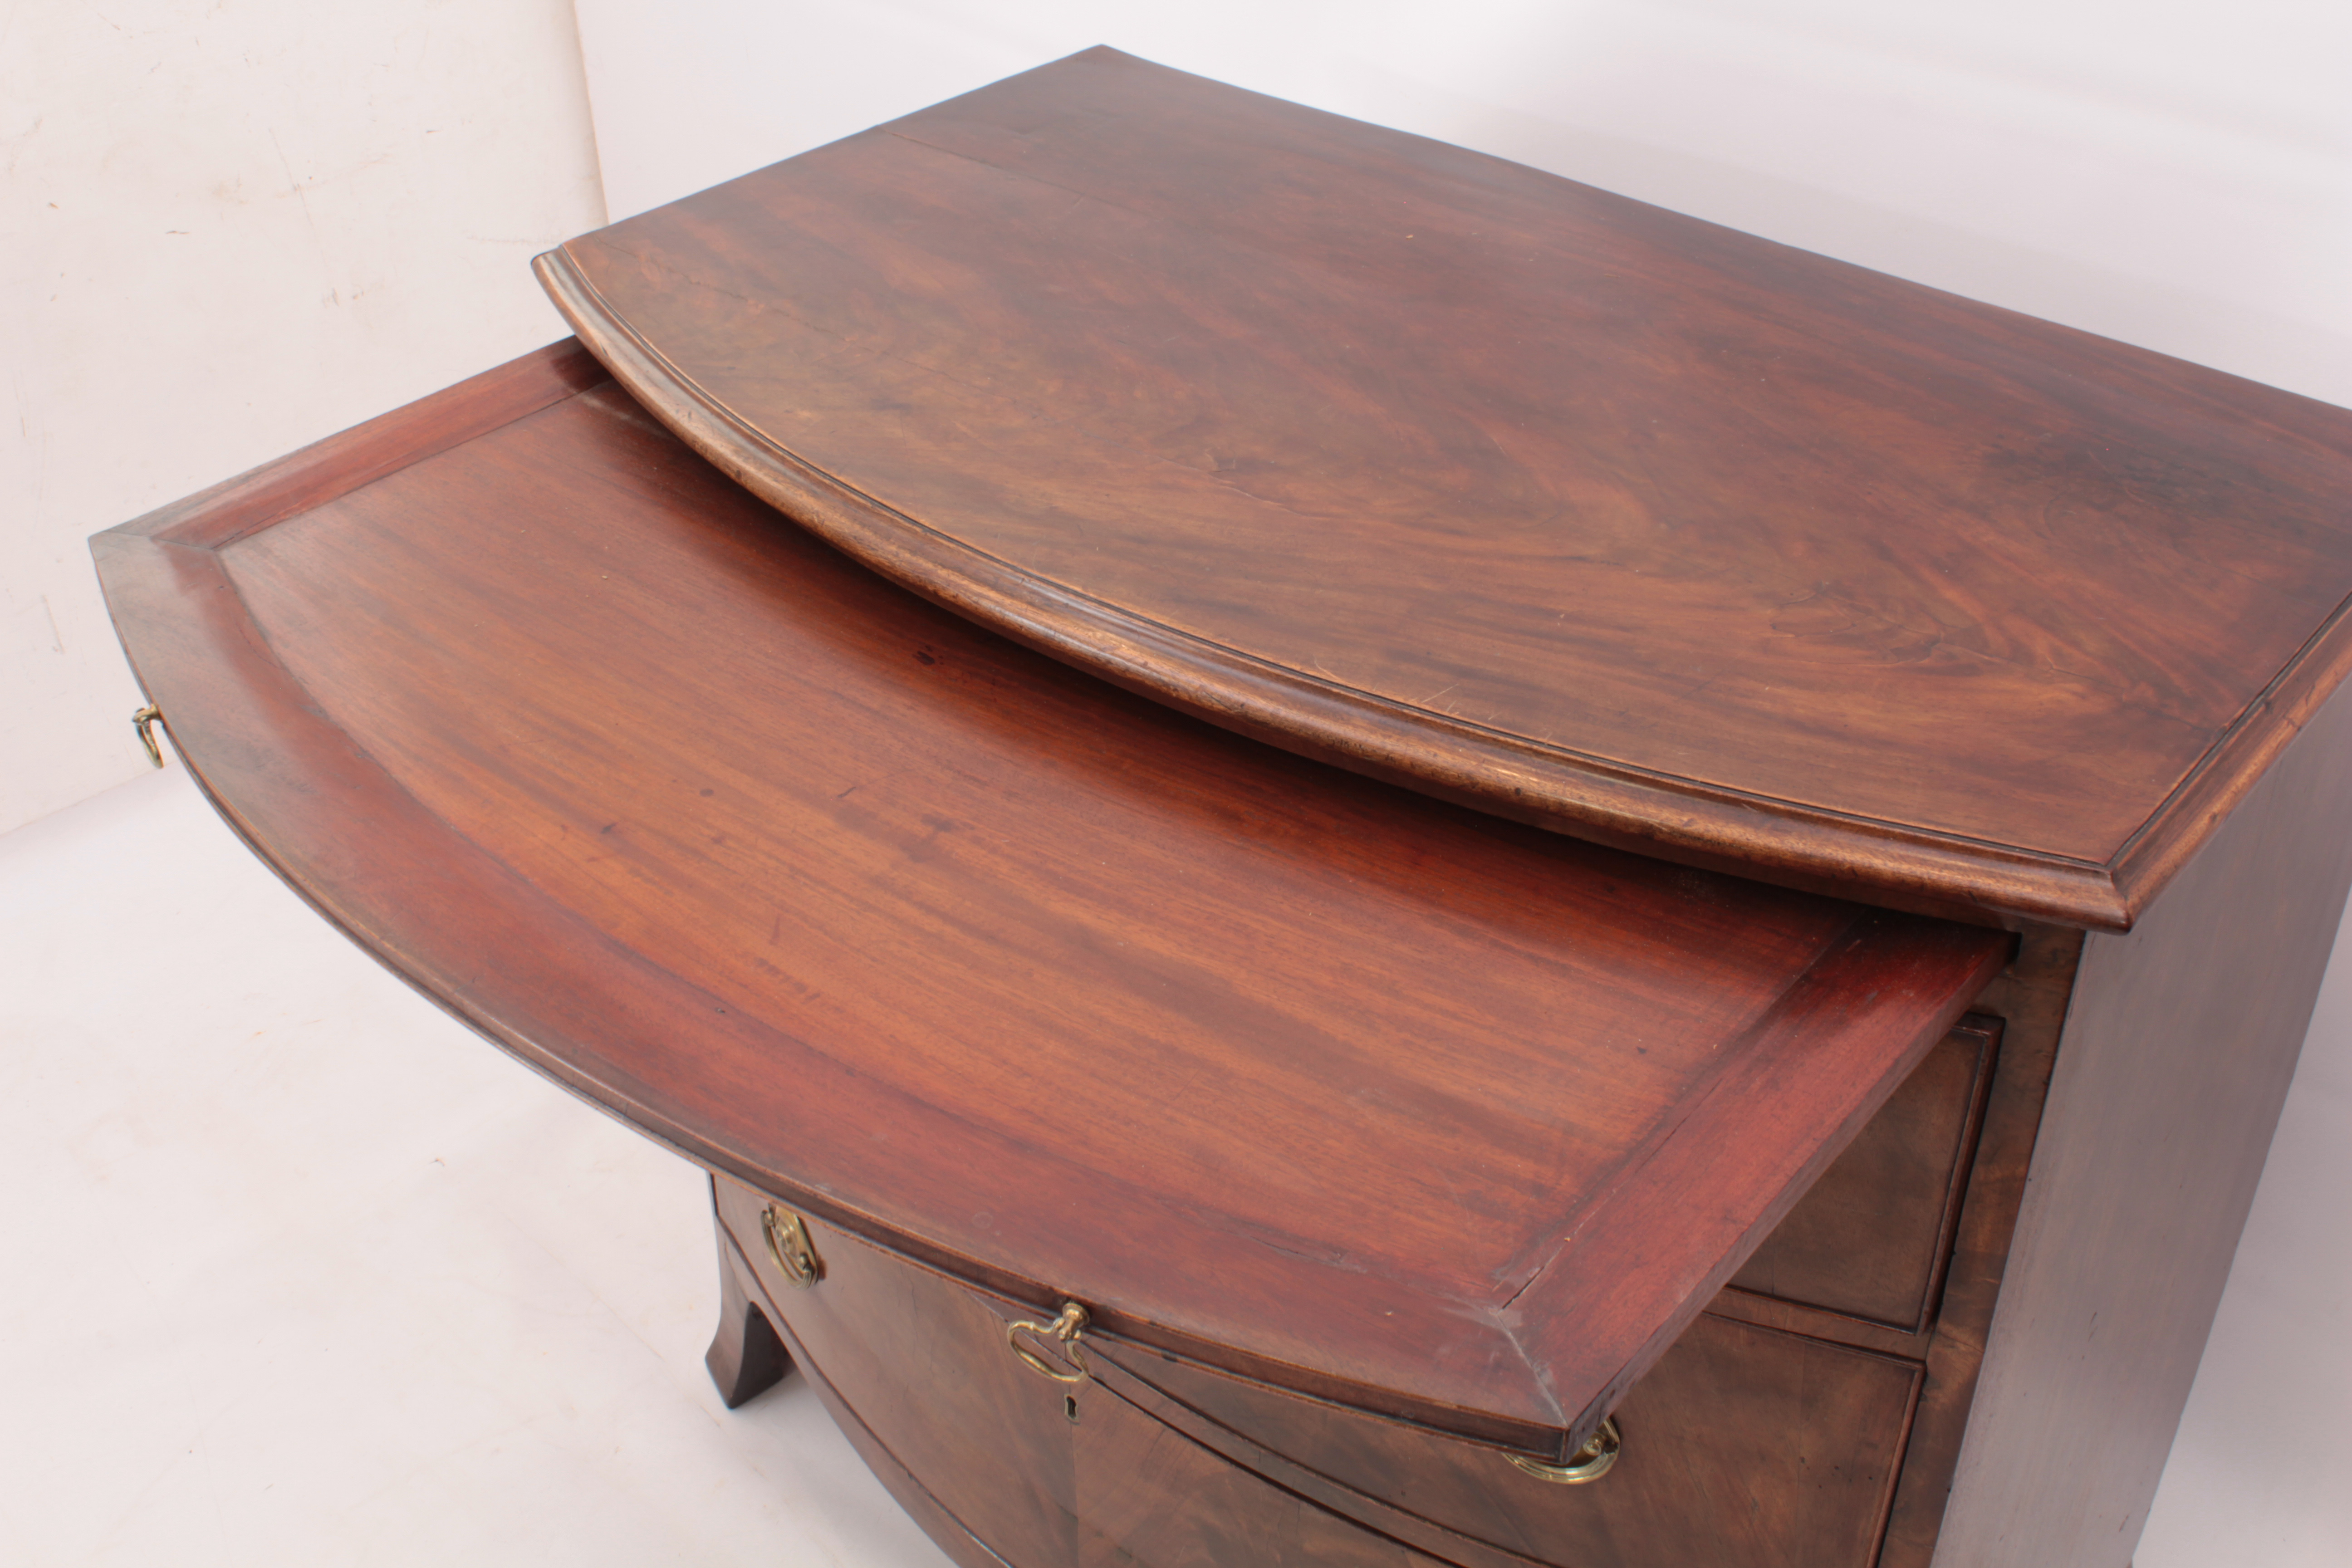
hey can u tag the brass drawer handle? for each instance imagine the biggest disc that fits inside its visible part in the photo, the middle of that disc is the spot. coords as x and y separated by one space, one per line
1588 1464
789 1245
144 721
1061 1333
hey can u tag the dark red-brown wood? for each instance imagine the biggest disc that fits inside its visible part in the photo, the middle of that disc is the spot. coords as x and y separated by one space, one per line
1531 496
1031 1472
1743 1448
1298 1074
2180 1040
746 1358
1870 1238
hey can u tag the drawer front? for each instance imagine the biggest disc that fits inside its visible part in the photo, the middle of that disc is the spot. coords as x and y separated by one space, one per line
1045 1474
1870 1238
1744 1448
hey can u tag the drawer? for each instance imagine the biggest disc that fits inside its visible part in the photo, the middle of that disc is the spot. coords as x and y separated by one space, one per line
1870 1239
1743 1448
1042 1474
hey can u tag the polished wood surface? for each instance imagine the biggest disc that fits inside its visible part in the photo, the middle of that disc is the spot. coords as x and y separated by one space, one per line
1769 1435
1744 1448
2031 998
1871 1238
1036 1473
2179 1042
746 1358
1381 1137
1460 474
1298 1074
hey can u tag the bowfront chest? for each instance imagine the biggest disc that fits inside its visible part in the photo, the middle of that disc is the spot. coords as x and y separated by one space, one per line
1343 854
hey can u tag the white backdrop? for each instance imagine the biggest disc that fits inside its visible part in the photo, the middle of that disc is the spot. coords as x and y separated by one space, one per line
227 228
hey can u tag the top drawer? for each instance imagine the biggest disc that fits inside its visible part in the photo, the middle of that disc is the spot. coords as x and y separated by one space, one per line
1031 975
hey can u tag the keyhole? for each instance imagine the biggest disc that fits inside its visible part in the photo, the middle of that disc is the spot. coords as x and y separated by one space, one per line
1070 1405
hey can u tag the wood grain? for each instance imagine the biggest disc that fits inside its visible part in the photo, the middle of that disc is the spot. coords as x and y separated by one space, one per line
2031 998
1467 476
924 1365
745 1359
1040 1474
1743 1448
1870 1238
950 1534
2180 1044
1320 1080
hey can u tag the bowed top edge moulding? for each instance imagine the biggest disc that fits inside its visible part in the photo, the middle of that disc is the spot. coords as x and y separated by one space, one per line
1529 496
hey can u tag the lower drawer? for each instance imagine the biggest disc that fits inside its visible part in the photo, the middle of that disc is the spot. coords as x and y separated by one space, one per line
1040 1474
1744 1448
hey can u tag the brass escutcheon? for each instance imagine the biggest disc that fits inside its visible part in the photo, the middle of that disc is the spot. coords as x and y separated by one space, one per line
789 1245
1588 1464
1063 1334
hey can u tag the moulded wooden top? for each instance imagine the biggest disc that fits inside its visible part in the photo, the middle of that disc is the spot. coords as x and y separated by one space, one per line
1038 981
1531 496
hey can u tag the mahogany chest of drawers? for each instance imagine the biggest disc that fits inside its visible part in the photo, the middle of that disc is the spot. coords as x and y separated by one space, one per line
1343 854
